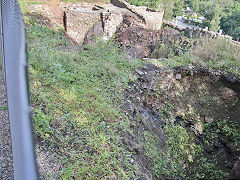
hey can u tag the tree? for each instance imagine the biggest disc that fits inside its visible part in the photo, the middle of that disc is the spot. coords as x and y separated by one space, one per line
230 24
193 4
166 5
178 8
215 22
212 11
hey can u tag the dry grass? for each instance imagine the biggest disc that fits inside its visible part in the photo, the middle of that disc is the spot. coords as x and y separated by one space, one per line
215 50
219 54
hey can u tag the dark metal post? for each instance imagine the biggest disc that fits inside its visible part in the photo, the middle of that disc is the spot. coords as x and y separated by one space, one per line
16 69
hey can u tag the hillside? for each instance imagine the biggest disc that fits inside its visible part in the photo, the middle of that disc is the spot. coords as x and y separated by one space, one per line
118 95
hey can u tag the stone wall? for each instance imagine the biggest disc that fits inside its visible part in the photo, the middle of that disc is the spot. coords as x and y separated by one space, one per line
120 16
110 22
151 17
80 18
198 32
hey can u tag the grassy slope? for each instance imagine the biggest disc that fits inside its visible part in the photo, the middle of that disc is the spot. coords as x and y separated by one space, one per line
76 97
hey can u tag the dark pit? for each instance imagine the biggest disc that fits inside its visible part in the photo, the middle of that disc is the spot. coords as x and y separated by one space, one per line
186 122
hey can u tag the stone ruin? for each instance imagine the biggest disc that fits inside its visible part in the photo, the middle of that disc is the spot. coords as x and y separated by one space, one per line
103 21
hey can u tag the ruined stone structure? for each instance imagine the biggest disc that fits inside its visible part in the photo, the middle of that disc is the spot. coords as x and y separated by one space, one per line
110 21
103 21
151 17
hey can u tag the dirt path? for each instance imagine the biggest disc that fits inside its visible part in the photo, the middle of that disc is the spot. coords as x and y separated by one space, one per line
6 162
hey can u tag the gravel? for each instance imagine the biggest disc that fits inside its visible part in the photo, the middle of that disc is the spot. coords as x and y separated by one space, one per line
6 159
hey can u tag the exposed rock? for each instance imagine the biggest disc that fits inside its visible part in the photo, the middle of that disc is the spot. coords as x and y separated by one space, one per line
84 19
137 41
132 145
97 8
120 3
93 34
131 20
178 76
110 20
138 51
235 174
120 20
140 72
80 19
179 102
228 94
151 17
199 127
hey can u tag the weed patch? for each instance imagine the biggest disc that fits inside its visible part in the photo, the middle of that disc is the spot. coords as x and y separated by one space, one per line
218 54
3 107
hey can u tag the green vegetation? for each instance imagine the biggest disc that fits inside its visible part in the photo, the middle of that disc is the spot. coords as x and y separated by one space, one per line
219 14
229 129
190 146
76 97
183 156
149 3
218 54
25 3
230 22
180 158
3 107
